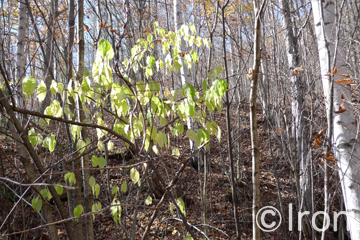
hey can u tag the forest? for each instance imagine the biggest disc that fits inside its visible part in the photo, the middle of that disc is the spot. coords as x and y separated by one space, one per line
179 119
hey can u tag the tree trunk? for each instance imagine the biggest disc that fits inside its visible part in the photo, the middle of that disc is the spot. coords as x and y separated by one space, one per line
346 147
297 104
253 125
88 196
48 63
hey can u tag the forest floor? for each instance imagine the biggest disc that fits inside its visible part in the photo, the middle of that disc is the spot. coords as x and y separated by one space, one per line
221 224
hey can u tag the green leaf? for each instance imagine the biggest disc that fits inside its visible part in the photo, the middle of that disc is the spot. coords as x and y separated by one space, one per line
105 49
59 189
151 61
115 191
148 200
36 203
181 205
54 109
101 146
45 193
220 87
54 87
190 109
102 162
154 88
149 38
202 136
189 91
70 176
188 237
134 174
194 56
85 86
78 211
124 186
140 87
191 134
192 28
92 181
60 87
116 211
96 207
95 161
172 207
177 62
32 137
28 86
155 104
50 142
67 112
176 152
80 145
41 91
118 128
97 190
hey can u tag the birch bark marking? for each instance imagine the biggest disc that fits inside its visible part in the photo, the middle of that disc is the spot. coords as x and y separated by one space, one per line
346 146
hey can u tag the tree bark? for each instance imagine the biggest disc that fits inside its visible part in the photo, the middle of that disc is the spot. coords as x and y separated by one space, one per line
346 146
253 124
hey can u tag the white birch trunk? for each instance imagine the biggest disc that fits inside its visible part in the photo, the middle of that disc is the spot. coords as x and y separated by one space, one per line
20 73
184 71
346 146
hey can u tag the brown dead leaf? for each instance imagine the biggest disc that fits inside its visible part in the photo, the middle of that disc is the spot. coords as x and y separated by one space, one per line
281 129
345 75
343 80
335 70
316 143
331 159
341 109
319 134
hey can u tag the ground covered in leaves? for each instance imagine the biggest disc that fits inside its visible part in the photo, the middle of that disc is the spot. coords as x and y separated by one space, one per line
220 223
